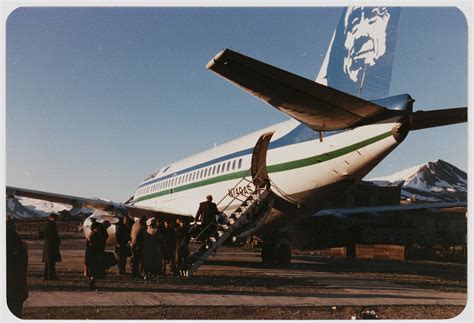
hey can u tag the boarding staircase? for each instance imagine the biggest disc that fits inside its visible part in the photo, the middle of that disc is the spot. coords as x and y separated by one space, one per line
252 207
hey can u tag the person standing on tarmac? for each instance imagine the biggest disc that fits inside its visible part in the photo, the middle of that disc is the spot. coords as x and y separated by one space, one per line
136 243
17 265
206 214
169 242
182 243
122 248
95 250
51 253
151 260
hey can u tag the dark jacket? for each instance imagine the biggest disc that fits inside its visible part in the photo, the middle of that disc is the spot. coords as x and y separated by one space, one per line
95 248
51 243
182 236
151 257
17 265
169 243
136 235
182 243
122 235
207 212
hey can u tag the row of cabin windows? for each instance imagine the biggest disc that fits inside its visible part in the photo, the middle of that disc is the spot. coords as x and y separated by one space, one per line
189 177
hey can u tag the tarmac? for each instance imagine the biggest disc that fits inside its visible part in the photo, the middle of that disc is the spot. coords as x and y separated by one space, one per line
236 278
349 297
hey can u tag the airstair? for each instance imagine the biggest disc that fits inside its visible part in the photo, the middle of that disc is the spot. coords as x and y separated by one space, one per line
252 207
239 215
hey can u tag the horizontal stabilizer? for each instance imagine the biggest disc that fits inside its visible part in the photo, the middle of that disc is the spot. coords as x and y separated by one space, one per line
319 107
436 118
378 210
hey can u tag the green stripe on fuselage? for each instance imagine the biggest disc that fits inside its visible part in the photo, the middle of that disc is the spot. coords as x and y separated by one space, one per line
272 168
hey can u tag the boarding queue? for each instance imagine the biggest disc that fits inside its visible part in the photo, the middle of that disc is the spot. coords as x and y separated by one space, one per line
153 247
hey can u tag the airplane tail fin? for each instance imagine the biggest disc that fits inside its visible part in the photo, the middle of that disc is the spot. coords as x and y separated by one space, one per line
360 55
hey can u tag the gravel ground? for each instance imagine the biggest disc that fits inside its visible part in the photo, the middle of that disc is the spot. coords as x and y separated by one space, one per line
234 271
239 313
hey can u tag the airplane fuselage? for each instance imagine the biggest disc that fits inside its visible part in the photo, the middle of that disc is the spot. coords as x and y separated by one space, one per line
302 167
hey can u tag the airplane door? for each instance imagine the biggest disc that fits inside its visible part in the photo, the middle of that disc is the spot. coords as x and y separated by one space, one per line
258 167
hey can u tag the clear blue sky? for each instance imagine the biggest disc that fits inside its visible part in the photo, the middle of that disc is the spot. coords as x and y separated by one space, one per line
98 98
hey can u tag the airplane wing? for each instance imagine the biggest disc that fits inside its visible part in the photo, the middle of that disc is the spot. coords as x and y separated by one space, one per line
377 210
320 107
436 118
104 205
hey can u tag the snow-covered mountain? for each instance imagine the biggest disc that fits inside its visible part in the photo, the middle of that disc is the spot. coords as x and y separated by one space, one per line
432 181
24 207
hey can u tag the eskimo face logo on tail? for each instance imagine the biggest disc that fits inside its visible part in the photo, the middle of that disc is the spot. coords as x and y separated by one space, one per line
366 32
361 55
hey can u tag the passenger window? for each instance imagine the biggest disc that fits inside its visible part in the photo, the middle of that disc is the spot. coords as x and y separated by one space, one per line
228 166
233 164
213 169
205 172
240 163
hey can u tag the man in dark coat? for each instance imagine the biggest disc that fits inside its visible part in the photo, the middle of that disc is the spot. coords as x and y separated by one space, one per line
122 249
136 243
95 249
206 214
169 247
151 257
17 264
51 244
182 243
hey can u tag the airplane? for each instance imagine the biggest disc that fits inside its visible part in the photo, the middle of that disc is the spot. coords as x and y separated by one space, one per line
341 126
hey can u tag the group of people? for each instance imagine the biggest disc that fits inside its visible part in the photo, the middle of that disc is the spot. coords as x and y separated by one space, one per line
154 247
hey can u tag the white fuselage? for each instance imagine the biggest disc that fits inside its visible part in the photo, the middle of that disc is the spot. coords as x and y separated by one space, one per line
300 166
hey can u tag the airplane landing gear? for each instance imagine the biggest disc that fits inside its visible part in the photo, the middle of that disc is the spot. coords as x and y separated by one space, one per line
276 248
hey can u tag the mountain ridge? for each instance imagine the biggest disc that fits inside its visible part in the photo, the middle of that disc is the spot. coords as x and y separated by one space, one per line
432 181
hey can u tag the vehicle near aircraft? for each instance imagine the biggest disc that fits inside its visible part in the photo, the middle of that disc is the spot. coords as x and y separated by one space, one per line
342 125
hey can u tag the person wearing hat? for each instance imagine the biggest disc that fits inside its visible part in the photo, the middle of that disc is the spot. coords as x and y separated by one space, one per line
206 214
51 253
151 256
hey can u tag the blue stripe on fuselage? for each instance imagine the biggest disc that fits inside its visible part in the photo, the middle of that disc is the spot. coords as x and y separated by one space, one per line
301 133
